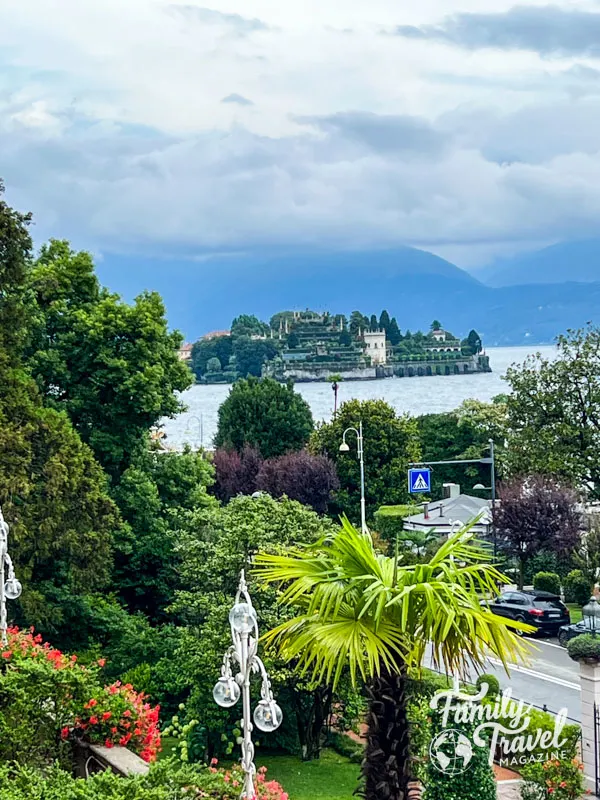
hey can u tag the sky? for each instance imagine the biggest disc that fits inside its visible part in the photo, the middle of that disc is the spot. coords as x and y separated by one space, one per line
471 129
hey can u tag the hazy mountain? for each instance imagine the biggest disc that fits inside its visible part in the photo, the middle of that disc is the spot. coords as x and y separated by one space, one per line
566 261
413 285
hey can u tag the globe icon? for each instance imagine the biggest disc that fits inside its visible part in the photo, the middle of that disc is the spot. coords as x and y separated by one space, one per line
451 752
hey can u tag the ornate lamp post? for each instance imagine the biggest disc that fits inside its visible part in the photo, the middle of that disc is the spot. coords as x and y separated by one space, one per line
10 587
267 714
591 616
345 448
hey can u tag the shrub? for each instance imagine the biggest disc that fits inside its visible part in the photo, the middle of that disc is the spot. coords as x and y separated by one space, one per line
578 589
540 721
547 582
389 520
586 646
46 697
168 780
492 682
309 479
554 780
349 748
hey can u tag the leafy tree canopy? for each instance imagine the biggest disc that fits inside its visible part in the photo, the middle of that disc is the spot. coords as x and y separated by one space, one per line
250 355
220 347
270 417
248 325
390 443
111 366
554 411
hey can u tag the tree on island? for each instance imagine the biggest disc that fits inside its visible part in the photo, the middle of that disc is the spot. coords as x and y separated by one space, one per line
293 341
436 325
536 513
220 347
393 333
373 324
384 321
265 415
472 345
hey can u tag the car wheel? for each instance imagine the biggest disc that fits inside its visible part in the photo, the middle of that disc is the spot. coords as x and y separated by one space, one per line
563 638
520 618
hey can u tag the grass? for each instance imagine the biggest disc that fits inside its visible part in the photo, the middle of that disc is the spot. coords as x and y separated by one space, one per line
575 610
332 777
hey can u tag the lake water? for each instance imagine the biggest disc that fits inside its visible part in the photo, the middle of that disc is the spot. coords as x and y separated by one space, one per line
424 395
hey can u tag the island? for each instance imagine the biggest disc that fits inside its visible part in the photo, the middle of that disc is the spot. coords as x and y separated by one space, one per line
303 346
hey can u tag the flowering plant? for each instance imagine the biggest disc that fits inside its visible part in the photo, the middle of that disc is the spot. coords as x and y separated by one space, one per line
553 780
118 715
54 697
226 784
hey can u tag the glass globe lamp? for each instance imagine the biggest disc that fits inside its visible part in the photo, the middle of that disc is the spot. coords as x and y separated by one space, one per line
267 716
12 589
242 618
226 692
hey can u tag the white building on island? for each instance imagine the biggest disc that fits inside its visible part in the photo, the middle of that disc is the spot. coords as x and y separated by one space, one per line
375 346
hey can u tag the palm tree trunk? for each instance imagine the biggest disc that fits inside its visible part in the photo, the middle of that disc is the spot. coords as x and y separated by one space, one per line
386 766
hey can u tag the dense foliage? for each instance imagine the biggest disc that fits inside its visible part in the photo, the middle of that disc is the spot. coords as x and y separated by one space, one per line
537 513
553 780
111 366
547 582
584 648
577 588
554 411
265 415
390 443
168 780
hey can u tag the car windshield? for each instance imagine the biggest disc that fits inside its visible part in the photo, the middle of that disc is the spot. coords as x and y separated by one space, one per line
548 603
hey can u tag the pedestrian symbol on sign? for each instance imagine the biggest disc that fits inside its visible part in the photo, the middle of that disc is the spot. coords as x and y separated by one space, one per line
419 480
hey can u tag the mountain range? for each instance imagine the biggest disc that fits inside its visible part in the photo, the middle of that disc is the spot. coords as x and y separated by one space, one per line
566 261
413 285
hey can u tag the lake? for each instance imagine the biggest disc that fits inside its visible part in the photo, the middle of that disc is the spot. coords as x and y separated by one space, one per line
424 395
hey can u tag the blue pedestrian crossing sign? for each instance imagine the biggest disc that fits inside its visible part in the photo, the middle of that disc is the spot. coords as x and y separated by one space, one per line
419 480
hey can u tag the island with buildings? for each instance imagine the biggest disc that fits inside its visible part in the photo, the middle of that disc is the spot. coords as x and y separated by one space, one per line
302 346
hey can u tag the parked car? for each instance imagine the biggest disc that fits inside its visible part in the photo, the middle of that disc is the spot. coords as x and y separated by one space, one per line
568 632
543 610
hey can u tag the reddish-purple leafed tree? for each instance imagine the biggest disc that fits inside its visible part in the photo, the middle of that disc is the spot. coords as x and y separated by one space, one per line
300 476
235 473
536 513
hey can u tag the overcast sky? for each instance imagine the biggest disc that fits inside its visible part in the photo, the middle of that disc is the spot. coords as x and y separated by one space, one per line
470 128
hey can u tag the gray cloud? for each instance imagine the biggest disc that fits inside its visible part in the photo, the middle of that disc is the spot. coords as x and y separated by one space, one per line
385 133
208 16
548 30
237 98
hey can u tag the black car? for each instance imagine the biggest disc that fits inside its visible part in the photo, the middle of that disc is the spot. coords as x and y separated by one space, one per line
543 610
568 632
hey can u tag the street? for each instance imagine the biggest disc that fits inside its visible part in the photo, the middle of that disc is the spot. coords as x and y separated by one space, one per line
549 678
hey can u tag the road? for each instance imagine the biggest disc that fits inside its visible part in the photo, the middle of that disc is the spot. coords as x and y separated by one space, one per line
549 678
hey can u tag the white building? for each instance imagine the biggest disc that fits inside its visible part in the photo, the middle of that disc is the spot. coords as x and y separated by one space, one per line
375 346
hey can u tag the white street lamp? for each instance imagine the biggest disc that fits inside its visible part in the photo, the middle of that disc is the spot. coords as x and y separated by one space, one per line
267 715
345 448
10 587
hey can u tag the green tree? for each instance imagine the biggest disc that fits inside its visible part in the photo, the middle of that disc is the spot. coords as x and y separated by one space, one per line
111 366
154 495
218 544
293 341
220 347
213 365
554 411
472 345
248 325
345 338
250 355
52 491
270 417
393 333
390 443
436 325
373 324
357 610
384 321
358 322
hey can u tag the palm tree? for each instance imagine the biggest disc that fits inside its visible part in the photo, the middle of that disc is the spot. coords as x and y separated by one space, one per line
359 610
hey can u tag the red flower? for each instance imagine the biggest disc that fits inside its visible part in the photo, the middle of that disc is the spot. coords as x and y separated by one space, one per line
6 654
101 662
108 744
106 715
64 734
92 703
93 720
